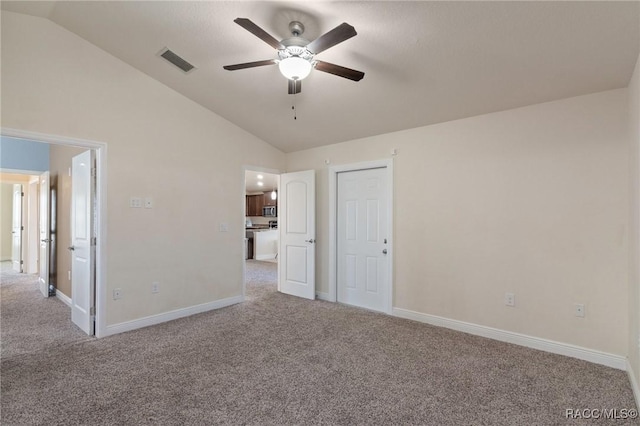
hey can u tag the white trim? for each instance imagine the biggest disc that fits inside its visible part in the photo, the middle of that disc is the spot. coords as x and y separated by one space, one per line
634 383
101 211
320 295
597 357
28 173
266 257
64 298
333 212
171 315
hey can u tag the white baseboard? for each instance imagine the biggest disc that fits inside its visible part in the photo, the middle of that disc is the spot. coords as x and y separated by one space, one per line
597 357
323 296
171 315
634 383
266 256
64 298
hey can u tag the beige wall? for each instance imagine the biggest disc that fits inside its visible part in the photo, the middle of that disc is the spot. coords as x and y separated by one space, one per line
59 166
160 145
532 201
6 220
634 246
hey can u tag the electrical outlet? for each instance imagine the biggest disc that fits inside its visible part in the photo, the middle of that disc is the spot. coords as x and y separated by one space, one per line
117 293
155 287
579 310
148 203
509 299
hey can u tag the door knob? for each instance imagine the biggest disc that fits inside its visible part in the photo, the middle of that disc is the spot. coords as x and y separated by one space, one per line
310 241
46 241
72 248
384 251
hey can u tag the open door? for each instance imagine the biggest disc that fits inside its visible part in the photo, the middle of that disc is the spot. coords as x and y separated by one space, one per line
83 243
45 241
297 224
16 229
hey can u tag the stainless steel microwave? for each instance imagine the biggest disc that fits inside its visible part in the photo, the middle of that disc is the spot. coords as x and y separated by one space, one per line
270 211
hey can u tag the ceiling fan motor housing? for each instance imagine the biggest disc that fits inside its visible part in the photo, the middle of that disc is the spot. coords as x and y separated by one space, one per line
295 45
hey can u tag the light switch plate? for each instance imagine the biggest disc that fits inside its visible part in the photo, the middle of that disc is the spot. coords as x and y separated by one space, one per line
148 203
135 202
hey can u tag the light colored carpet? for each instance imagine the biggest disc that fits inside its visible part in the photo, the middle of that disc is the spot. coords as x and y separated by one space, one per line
29 322
261 277
281 360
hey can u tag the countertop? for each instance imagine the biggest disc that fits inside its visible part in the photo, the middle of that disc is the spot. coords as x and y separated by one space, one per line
254 229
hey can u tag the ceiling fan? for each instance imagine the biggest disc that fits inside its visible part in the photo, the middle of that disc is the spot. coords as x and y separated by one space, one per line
296 54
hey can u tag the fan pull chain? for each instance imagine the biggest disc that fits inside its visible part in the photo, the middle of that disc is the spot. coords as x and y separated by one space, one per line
293 107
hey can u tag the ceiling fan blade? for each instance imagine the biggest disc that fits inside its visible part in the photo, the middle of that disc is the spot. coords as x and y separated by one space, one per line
339 71
248 25
337 35
249 65
295 86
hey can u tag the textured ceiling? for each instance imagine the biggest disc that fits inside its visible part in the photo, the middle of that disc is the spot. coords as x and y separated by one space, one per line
269 182
425 62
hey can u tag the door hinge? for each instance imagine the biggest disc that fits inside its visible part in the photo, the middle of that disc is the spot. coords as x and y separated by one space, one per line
92 311
94 241
22 194
22 262
93 172
22 228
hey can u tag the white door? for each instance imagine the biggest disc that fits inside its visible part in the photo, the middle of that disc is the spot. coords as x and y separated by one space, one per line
32 236
297 224
82 247
43 227
362 239
16 229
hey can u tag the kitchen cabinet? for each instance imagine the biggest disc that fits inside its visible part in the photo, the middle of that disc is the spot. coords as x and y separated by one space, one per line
268 201
265 244
254 205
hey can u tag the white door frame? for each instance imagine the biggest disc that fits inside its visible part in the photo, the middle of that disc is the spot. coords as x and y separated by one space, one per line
100 212
244 214
29 176
333 225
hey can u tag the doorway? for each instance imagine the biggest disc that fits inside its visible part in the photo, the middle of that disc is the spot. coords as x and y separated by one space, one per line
361 225
261 235
97 324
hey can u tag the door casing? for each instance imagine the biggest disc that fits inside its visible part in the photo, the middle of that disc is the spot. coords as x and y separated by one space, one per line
17 227
100 149
332 296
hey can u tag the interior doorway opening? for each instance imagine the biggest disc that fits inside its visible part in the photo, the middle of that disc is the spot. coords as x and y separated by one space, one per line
54 242
261 234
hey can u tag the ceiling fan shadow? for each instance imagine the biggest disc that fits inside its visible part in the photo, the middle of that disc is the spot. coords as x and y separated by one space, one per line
282 16
379 66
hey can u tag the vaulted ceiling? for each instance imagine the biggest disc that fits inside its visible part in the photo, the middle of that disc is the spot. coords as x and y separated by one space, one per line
424 62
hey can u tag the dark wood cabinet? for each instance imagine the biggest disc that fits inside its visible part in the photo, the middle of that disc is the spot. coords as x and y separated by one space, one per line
254 205
268 201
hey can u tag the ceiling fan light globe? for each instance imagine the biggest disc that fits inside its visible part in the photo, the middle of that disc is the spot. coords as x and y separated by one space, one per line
295 68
